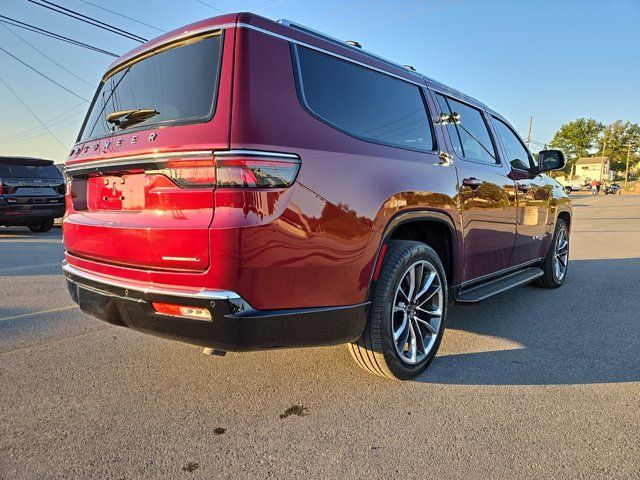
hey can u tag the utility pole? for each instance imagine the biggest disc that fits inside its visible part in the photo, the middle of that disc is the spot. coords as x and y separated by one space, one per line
604 145
529 132
629 144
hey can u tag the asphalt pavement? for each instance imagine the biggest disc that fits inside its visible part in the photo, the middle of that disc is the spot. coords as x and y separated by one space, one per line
532 383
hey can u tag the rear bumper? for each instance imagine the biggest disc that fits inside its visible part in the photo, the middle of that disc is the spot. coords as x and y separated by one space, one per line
235 325
17 214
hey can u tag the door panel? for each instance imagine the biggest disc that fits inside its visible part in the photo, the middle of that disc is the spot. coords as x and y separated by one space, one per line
533 193
486 195
532 234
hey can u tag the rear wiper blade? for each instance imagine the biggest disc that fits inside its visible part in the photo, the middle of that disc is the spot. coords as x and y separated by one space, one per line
126 118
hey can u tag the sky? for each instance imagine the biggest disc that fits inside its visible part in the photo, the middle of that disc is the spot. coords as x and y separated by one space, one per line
554 61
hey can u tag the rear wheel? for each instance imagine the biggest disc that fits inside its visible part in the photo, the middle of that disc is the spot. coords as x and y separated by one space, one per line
407 315
42 226
556 263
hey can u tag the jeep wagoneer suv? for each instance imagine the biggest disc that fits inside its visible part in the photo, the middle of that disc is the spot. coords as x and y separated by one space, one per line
245 184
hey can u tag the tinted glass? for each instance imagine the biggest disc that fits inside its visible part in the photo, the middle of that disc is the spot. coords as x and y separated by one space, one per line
473 133
364 103
180 84
29 171
451 128
517 154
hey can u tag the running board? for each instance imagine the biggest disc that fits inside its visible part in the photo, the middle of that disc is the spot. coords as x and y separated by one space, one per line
488 289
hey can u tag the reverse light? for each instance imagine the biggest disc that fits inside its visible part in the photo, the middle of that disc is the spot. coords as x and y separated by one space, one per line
185 311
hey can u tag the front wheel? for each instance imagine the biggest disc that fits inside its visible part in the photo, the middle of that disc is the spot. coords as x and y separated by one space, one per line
556 263
43 226
407 316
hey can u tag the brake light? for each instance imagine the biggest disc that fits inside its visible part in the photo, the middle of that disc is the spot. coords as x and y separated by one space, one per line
185 311
231 170
256 172
0 186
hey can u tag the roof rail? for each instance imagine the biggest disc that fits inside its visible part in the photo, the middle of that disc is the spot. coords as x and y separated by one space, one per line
356 47
349 43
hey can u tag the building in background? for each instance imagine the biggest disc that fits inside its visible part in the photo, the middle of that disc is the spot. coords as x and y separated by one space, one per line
593 168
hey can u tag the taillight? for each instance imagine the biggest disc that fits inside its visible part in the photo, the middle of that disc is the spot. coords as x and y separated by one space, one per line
256 172
0 186
234 169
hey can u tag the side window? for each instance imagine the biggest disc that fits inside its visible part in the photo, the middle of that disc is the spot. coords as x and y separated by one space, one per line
451 128
363 102
517 155
473 133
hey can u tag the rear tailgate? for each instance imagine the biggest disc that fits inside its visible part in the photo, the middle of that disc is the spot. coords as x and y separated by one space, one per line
141 191
155 215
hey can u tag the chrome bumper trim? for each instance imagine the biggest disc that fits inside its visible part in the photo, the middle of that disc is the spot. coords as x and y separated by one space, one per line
202 294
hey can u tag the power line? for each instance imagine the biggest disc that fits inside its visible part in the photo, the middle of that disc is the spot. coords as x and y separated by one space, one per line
209 5
43 75
91 21
67 123
48 57
123 16
32 28
33 113
56 120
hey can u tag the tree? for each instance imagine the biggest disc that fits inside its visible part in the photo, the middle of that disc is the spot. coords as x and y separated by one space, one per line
617 135
577 139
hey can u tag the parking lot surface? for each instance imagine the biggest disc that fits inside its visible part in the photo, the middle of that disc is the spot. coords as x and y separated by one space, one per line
531 383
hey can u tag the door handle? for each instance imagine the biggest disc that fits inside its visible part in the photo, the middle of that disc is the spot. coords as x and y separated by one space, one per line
471 182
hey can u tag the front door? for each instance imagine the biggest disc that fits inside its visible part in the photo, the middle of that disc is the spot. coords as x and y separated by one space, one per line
486 194
534 194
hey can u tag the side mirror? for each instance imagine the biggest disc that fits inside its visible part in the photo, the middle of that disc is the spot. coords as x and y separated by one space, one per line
550 160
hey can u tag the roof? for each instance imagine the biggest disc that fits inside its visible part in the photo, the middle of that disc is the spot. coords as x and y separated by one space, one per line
591 160
292 31
31 161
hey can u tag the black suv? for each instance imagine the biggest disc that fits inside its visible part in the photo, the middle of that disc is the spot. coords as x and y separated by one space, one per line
31 193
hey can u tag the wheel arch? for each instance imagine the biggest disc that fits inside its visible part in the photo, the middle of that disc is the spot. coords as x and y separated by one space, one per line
436 229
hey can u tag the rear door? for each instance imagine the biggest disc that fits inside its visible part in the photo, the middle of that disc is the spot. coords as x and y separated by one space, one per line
534 195
142 183
486 194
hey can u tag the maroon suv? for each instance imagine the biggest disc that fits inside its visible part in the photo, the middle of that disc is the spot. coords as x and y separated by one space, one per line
243 184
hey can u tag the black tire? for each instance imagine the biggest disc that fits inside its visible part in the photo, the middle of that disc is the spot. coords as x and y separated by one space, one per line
43 226
375 350
550 279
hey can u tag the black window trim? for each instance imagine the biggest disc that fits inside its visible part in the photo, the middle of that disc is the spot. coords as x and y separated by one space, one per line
303 101
166 123
498 163
504 150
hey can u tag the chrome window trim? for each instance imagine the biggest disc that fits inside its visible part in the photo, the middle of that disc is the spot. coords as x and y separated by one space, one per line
204 294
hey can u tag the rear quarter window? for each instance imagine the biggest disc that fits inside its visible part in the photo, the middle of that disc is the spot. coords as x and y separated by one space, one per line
362 102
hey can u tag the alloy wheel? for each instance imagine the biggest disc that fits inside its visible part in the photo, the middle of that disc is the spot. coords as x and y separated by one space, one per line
561 255
416 317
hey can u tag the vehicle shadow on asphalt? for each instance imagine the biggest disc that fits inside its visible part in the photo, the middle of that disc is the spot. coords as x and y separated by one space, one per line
585 332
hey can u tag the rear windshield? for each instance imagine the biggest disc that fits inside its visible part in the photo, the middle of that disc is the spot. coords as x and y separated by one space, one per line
29 171
180 84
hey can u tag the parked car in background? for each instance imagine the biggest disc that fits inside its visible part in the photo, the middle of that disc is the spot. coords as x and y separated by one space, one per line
612 189
570 186
31 193
243 184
